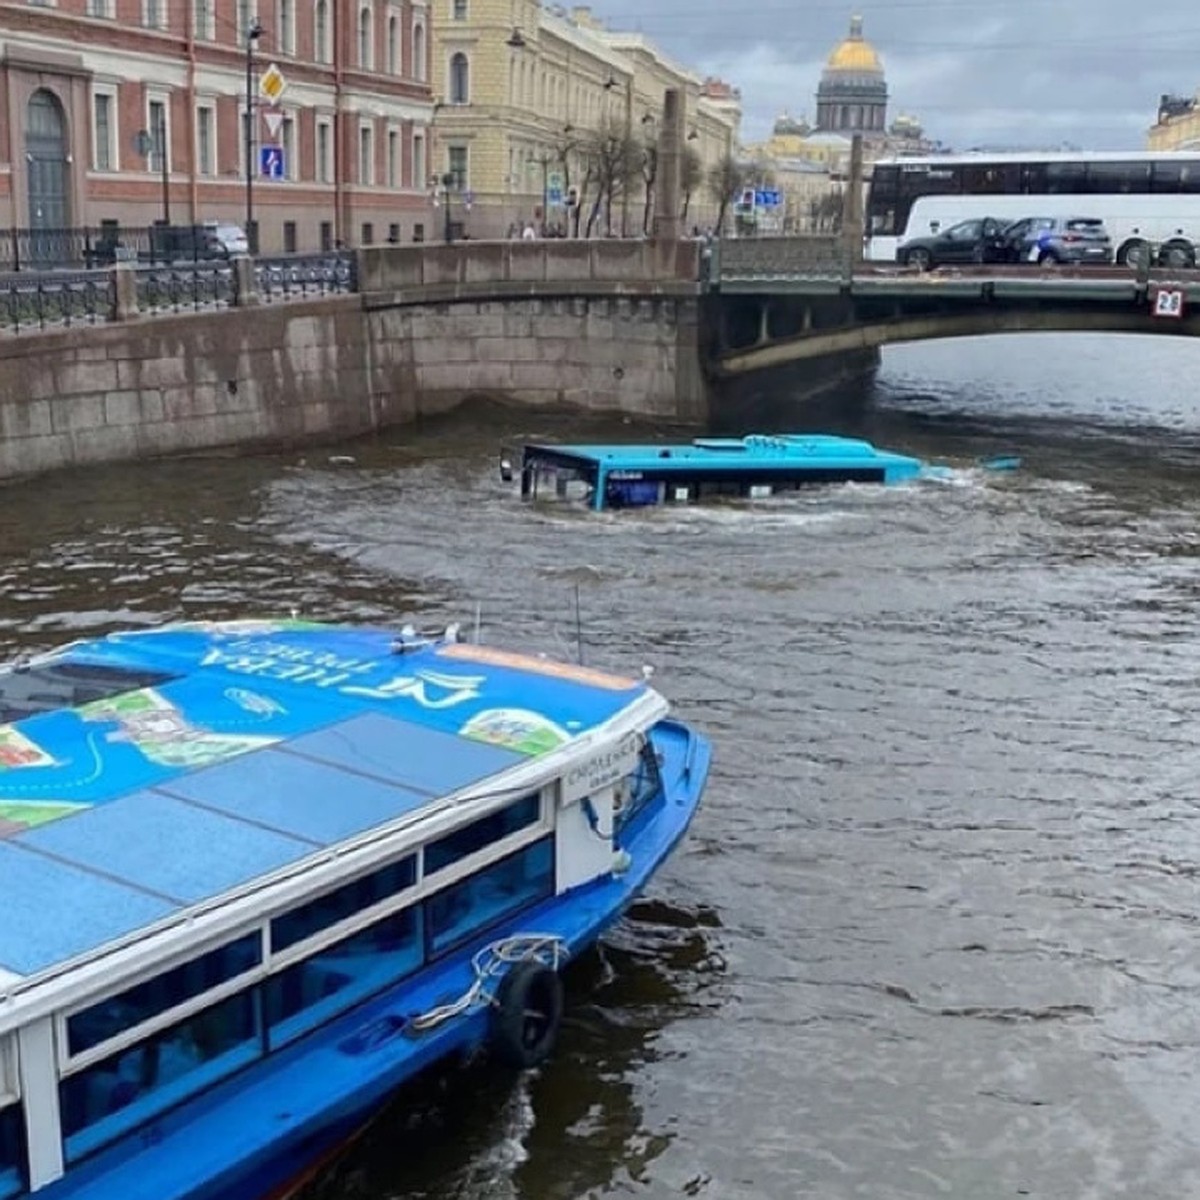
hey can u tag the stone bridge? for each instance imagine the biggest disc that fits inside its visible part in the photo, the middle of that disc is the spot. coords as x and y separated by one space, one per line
779 301
609 325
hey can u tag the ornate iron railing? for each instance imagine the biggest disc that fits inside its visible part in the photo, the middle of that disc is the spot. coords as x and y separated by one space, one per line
300 275
184 286
49 301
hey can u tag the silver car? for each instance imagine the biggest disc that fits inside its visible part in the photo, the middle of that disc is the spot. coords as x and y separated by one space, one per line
1049 240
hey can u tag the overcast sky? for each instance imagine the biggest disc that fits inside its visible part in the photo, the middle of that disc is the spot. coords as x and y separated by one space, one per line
976 72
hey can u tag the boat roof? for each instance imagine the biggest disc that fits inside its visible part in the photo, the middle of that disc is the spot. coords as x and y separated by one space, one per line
147 772
756 450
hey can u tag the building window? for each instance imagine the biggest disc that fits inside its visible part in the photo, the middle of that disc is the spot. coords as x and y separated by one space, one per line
324 151
326 236
393 159
289 237
104 133
457 166
419 232
460 10
418 161
154 14
206 20
393 45
366 154
287 140
286 28
206 143
418 52
394 233
459 78
160 135
101 9
321 30
365 56
368 236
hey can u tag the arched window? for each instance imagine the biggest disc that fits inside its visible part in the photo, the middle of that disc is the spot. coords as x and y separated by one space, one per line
393 45
418 52
321 30
459 79
365 57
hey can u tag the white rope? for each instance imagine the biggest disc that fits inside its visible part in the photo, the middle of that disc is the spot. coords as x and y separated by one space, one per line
489 964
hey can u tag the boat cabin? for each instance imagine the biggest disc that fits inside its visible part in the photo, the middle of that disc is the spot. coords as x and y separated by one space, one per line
753 467
239 862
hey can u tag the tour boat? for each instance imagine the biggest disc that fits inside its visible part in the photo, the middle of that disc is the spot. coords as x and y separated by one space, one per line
753 467
256 874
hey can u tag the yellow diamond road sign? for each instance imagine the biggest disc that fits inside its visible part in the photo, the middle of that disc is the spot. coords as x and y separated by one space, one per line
272 84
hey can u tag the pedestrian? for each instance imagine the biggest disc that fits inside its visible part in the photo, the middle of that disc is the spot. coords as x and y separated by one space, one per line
528 233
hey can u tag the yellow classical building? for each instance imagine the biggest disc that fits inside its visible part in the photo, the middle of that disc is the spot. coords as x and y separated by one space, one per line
1178 124
524 94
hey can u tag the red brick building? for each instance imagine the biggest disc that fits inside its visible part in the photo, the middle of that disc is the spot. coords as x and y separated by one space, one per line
91 89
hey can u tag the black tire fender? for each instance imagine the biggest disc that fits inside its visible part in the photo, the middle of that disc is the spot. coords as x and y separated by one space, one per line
527 1015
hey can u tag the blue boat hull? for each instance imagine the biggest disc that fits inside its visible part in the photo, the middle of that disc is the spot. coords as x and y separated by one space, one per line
262 1133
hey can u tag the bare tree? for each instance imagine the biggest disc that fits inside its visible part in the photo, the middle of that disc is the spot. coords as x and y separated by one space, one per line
726 178
649 169
612 157
691 174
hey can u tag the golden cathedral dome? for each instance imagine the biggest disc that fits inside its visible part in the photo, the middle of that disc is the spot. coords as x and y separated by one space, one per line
855 53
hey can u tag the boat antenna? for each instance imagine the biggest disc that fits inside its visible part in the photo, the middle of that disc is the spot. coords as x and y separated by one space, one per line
578 627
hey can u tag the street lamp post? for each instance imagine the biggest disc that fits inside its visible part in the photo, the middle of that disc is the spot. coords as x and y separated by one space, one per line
447 182
253 33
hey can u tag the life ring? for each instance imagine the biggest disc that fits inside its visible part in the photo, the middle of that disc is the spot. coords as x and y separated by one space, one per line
528 1013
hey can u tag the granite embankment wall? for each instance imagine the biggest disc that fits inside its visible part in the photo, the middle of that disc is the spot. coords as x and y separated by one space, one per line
592 325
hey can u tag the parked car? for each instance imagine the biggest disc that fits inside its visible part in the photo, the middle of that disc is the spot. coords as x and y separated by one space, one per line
213 239
978 240
1049 240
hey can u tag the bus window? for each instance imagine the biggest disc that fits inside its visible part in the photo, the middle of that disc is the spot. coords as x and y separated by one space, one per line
1118 178
1033 179
1173 178
991 179
1065 178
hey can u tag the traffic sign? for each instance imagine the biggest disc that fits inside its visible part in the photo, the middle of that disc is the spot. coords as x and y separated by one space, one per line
1168 302
273 119
271 84
270 162
768 198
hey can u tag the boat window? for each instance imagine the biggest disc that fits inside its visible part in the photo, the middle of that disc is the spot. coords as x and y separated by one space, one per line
306 995
470 838
642 785
453 915
333 907
114 1015
126 1089
12 1151
26 691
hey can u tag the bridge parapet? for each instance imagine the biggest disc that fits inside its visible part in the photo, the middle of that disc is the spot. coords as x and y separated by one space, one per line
513 264
815 255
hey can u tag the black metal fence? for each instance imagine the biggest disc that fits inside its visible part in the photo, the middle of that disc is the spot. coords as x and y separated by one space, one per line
37 301
109 243
294 276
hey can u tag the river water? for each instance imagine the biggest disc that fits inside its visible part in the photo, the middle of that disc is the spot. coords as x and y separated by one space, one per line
934 930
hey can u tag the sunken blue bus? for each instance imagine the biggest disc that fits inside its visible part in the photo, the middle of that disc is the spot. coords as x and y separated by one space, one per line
257 874
753 467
